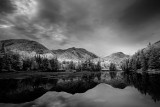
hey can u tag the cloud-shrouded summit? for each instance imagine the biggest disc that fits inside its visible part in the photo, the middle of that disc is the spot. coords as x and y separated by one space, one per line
101 26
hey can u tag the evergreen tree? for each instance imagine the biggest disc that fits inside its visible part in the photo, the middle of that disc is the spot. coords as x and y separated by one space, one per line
125 66
112 67
85 65
154 59
134 65
39 61
16 62
34 65
1 63
130 64
7 62
144 61
49 66
79 66
54 64
27 64
98 66
149 45
46 65
71 65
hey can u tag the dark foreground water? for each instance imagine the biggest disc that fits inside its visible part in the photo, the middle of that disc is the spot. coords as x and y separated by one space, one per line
98 90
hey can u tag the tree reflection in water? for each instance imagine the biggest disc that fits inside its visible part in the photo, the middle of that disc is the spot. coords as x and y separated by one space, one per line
145 83
29 89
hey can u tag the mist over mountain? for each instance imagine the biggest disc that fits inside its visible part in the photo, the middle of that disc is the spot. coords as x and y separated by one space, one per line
74 54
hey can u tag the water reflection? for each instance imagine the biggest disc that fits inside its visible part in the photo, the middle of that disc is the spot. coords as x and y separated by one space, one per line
115 79
135 88
28 89
145 83
102 95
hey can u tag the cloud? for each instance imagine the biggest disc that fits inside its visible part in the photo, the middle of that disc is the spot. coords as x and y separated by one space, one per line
140 12
84 23
6 7
50 10
27 8
33 18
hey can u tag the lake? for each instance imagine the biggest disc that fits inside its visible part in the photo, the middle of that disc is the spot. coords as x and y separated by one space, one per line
108 89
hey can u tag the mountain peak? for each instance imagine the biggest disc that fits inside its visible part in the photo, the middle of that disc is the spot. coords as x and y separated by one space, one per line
118 54
74 54
73 48
116 57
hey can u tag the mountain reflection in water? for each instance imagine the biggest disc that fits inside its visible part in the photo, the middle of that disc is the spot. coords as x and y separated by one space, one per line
142 91
102 95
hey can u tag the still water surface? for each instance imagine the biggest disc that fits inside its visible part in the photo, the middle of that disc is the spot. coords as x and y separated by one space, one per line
141 90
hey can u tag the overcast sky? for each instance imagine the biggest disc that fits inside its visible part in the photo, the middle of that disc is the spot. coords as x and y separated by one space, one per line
100 26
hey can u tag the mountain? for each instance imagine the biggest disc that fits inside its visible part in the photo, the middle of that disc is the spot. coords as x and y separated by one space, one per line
73 54
118 55
24 47
115 58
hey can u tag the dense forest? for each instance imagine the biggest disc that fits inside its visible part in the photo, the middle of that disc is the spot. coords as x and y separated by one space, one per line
13 62
147 59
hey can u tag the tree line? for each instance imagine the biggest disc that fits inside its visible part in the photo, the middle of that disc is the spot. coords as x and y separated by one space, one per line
14 62
147 59
89 65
